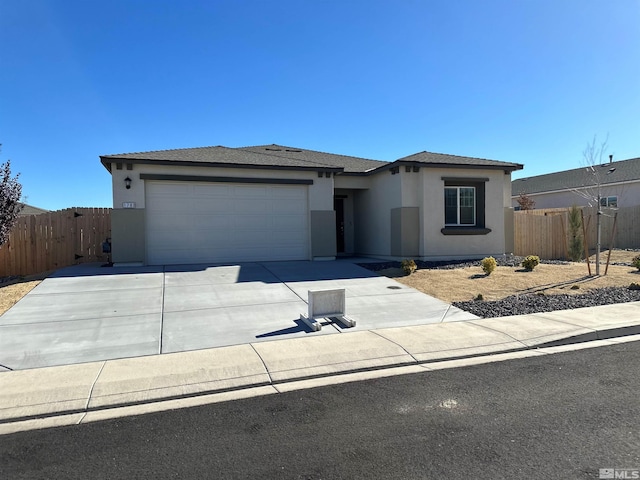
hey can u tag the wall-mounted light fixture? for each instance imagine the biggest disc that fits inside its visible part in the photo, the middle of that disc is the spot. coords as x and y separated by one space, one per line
127 183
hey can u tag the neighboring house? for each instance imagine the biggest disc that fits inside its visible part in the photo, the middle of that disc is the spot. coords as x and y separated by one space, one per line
619 186
31 210
220 204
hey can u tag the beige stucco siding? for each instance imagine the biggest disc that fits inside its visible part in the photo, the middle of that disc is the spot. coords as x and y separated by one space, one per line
127 241
127 235
437 245
628 196
320 193
351 181
372 213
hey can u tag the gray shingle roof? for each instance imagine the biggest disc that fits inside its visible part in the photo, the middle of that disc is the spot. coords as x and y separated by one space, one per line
430 158
31 210
218 155
348 163
278 156
625 171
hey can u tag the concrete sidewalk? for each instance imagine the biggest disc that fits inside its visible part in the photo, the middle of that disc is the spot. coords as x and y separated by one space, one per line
72 394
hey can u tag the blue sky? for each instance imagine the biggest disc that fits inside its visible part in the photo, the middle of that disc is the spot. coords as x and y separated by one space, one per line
530 81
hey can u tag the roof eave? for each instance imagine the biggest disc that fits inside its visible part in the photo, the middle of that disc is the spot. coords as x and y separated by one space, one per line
106 161
510 167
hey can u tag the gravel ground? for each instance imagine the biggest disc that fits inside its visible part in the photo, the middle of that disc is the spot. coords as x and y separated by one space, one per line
526 303
534 303
502 261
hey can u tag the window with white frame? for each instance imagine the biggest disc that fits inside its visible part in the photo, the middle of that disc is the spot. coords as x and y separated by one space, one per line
459 206
611 202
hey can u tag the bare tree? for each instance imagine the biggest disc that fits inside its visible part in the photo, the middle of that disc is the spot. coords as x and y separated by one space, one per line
10 206
525 202
595 171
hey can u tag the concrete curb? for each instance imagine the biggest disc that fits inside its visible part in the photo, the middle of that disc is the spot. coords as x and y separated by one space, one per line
92 387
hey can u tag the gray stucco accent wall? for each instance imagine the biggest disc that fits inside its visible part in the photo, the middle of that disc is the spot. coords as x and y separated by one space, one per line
323 233
509 230
127 232
405 232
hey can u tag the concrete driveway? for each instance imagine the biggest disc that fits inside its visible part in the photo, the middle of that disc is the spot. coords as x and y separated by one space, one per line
89 313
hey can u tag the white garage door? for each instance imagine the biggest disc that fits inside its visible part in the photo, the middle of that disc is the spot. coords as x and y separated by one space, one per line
188 222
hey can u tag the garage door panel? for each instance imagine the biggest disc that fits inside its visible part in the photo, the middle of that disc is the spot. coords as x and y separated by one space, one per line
289 206
173 222
213 190
288 238
211 221
247 206
171 189
167 205
210 205
289 222
251 191
207 222
285 192
253 222
167 239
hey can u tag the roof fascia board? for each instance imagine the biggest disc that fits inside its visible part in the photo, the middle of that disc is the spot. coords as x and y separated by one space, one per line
198 178
181 163
399 163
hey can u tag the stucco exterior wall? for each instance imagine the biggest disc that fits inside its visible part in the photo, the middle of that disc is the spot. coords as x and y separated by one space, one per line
323 233
320 193
368 210
436 245
128 234
348 181
372 213
628 196
405 232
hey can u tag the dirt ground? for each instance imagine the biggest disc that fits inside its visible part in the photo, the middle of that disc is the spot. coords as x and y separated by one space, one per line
464 284
13 291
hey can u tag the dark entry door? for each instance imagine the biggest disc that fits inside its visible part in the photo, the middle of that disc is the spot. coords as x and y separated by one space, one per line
338 206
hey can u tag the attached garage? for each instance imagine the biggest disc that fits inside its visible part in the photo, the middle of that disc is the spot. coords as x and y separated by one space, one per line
205 222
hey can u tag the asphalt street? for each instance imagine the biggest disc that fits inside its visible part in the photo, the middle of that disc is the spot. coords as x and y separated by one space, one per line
556 416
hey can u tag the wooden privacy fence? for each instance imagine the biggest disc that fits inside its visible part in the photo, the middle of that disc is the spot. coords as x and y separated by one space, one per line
545 232
539 235
39 243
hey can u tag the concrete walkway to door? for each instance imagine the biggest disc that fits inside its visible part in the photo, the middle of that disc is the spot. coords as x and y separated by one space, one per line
88 313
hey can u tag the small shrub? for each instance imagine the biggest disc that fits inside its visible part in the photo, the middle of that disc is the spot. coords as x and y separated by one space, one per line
409 266
479 298
575 287
634 286
636 262
488 265
531 262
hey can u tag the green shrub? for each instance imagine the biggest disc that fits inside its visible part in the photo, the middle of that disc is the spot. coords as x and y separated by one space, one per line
530 262
488 265
636 262
409 266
